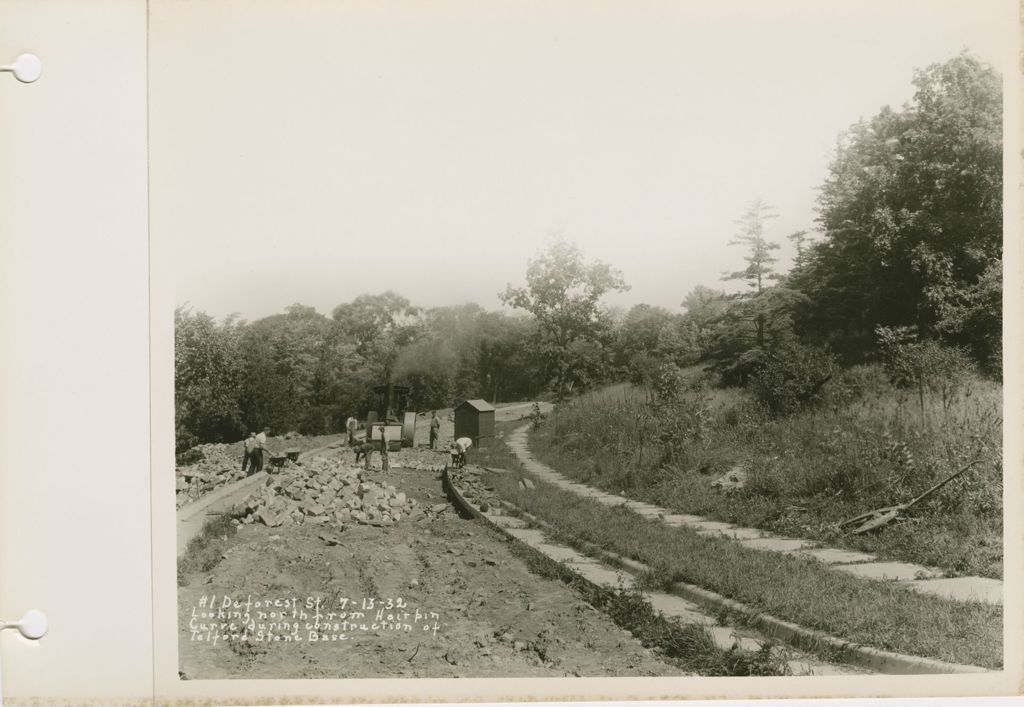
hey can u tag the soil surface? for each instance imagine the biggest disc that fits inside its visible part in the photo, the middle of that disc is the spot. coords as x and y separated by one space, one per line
460 603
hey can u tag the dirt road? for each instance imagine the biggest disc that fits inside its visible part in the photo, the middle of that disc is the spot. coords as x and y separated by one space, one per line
503 413
460 605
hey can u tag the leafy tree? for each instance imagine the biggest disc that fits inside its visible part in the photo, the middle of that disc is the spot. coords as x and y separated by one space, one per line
971 316
912 217
922 365
284 377
207 378
506 359
705 309
749 329
378 325
563 293
792 377
649 336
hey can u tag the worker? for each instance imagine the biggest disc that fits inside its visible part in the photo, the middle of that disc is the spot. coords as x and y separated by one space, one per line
350 425
435 429
261 444
250 444
458 451
363 451
384 466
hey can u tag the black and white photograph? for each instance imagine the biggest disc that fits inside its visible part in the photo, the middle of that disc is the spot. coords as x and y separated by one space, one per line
582 340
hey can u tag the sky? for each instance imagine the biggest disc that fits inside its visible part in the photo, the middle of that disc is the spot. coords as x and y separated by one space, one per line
311 152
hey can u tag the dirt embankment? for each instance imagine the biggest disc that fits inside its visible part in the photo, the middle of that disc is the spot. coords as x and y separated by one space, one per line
471 607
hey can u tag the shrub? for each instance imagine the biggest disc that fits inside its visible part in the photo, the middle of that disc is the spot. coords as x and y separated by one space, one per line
536 417
740 370
858 382
681 415
790 378
924 366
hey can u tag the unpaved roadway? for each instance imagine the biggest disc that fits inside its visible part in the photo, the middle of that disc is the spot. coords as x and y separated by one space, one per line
504 413
494 618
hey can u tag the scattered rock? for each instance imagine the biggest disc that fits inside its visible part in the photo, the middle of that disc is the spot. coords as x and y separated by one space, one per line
733 480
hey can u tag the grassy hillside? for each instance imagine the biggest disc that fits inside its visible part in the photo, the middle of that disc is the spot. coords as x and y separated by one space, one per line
870 445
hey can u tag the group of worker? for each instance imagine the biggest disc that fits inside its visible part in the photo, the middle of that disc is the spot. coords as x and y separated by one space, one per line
364 451
457 448
255 448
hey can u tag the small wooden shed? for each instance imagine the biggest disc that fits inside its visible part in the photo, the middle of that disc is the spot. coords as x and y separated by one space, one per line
474 419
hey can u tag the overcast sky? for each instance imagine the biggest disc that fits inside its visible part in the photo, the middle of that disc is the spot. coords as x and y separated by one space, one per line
432 148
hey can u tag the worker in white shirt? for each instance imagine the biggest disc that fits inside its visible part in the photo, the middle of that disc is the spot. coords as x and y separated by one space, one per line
350 426
458 451
261 444
435 429
384 466
247 459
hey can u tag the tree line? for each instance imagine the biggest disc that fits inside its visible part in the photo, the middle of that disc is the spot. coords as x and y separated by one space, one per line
908 248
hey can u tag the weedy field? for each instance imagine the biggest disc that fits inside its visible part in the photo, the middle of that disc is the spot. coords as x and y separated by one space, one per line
869 445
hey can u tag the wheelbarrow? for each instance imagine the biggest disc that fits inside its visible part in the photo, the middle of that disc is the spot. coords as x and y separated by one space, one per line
278 461
292 453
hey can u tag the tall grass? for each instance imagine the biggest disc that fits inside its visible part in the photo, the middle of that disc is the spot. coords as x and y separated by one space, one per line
870 445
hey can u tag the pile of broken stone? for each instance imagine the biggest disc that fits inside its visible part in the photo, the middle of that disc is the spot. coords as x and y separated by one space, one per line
328 491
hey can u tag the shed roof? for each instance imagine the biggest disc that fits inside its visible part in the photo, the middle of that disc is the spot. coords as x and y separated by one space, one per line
480 405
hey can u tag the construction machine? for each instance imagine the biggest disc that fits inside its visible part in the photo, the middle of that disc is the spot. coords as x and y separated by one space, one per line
392 417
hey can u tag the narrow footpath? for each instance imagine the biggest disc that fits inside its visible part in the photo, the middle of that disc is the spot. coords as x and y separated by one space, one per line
916 577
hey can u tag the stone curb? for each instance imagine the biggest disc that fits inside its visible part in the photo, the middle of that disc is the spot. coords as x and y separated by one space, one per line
190 510
799 637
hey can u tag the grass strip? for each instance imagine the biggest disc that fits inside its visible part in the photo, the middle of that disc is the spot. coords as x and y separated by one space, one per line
802 590
205 550
687 646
